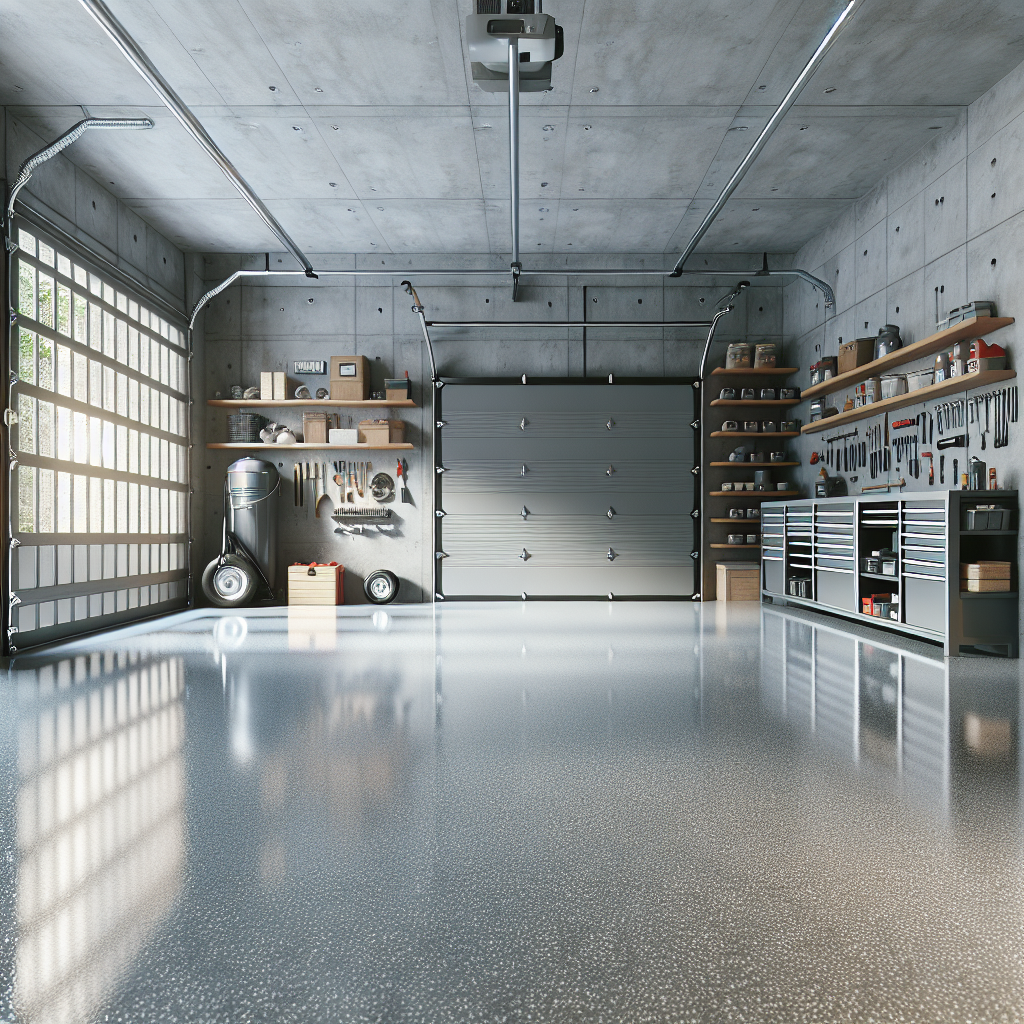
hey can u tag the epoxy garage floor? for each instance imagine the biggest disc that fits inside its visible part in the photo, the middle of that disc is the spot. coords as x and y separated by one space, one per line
648 812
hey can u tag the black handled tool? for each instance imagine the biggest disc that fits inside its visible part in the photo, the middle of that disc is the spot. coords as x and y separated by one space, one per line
956 441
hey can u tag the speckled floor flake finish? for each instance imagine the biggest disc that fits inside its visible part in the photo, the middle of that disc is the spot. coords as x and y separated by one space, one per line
510 813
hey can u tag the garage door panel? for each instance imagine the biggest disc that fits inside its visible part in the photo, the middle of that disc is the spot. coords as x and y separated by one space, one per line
540 448
553 503
567 540
549 398
537 581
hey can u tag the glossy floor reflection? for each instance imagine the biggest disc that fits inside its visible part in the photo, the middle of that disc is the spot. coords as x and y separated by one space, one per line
656 812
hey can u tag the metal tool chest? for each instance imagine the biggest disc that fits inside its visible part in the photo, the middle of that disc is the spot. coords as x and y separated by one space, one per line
814 554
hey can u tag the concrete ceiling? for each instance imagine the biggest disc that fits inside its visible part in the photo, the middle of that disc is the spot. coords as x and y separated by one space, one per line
359 125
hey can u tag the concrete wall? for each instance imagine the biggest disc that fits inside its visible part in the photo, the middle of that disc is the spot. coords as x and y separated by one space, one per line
943 229
259 326
89 213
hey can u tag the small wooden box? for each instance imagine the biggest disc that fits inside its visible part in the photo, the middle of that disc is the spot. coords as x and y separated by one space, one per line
381 431
316 584
314 428
738 581
350 379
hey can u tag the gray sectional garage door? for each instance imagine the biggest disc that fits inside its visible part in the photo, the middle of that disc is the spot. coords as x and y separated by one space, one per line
565 490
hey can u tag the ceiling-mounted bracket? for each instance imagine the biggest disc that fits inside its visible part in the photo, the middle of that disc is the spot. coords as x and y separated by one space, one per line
517 269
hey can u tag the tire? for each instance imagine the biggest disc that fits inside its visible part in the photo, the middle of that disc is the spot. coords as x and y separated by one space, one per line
381 587
230 584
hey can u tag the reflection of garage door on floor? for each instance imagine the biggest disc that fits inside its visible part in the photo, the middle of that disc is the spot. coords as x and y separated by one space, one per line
565 490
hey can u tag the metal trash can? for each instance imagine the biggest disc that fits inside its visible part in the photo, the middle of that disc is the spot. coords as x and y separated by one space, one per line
252 517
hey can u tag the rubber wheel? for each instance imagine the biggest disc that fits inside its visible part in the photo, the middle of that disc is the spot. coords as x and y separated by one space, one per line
381 587
230 582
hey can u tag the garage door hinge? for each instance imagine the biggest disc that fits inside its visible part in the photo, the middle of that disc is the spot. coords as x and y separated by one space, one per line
525 555
440 513
522 425
610 513
695 471
695 555
525 512
610 423
695 514
441 469
695 424
440 554
611 555
442 423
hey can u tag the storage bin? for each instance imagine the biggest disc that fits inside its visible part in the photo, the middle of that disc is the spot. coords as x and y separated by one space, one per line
739 357
398 389
245 427
766 355
984 570
856 353
381 431
985 517
738 581
350 379
917 379
893 384
316 584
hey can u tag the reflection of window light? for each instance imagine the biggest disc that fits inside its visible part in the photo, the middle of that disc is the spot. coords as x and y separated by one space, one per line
100 829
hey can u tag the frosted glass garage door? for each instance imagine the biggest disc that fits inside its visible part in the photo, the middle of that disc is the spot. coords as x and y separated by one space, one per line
565 490
99 483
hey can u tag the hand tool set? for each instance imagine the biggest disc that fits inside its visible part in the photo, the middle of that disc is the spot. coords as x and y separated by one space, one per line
994 411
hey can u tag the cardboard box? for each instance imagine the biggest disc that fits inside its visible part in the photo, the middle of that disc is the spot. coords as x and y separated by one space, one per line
984 570
856 353
314 428
280 386
316 584
350 379
398 389
381 431
266 386
738 581
343 435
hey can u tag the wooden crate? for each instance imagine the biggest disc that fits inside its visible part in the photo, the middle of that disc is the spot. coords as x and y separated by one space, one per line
316 584
738 581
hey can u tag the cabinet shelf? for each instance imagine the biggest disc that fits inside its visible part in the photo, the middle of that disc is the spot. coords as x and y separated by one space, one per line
405 446
881 576
966 595
766 433
736 547
988 533
322 403
769 371
965 382
974 328
738 522
755 401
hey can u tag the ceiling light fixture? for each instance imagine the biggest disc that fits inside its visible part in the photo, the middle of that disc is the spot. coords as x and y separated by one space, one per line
335 127
272 88
831 89
296 128
586 127
333 184
595 89
738 128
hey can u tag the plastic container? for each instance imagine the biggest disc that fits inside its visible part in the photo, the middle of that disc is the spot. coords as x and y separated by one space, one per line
893 384
917 379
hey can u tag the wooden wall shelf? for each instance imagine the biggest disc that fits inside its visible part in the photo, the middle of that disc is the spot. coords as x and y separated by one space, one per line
755 401
772 371
760 495
321 403
947 387
259 445
759 465
766 433
978 327
736 547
